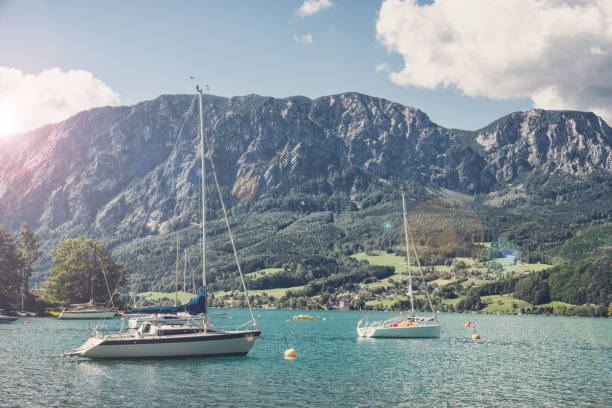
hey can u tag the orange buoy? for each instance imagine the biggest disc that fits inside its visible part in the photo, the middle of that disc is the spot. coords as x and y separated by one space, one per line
290 353
468 324
288 320
476 336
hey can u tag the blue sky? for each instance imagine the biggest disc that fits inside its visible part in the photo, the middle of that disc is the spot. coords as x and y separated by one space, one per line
141 49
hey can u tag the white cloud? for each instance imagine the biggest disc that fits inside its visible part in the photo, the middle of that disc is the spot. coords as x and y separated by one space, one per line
303 39
382 67
310 7
29 101
556 52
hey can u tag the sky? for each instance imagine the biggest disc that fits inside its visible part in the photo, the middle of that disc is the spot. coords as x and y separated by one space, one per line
463 62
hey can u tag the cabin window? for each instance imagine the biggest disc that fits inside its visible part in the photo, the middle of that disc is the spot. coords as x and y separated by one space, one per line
146 328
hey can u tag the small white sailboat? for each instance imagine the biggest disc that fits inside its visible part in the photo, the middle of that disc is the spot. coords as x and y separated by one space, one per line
155 339
406 325
87 311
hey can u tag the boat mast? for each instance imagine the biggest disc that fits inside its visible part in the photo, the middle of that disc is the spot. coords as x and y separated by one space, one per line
199 90
91 280
407 253
178 243
184 269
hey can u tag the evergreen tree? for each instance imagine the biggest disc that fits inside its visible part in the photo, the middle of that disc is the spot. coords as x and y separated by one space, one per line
11 263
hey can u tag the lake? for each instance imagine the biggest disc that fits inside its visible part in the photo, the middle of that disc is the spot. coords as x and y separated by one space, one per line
520 361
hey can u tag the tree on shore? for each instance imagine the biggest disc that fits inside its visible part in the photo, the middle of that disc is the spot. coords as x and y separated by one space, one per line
82 269
11 263
28 246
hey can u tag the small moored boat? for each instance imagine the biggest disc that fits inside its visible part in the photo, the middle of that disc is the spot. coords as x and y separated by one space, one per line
7 319
86 311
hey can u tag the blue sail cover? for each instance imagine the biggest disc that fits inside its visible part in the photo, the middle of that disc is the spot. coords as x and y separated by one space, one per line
195 307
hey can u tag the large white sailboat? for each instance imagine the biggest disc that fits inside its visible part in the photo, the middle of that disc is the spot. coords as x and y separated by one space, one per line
405 325
154 339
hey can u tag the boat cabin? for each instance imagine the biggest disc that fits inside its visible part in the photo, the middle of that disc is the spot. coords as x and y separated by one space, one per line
149 329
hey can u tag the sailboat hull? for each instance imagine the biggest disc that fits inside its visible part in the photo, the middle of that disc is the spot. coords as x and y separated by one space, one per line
216 344
425 331
86 315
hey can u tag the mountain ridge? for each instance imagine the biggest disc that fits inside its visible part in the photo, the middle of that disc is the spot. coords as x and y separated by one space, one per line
88 175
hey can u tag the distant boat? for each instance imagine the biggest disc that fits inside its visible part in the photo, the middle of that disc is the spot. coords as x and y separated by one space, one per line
24 313
302 317
407 325
89 310
163 340
7 319
86 311
175 315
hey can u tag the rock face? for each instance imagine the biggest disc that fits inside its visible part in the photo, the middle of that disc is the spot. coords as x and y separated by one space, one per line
108 171
572 142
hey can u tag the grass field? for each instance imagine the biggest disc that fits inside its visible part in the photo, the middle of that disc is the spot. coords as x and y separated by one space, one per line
384 259
385 303
503 304
518 268
508 265
477 282
442 282
276 292
264 272
183 297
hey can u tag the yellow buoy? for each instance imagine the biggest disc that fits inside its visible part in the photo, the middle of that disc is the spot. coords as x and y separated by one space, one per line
290 353
476 336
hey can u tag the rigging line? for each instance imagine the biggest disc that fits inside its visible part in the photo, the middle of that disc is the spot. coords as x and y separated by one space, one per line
229 230
422 276
192 275
107 287
180 132
407 254
106 280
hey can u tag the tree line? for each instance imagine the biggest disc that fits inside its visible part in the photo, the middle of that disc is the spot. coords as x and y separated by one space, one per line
82 270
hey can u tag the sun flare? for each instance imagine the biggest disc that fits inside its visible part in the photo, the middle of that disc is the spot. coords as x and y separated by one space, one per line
8 124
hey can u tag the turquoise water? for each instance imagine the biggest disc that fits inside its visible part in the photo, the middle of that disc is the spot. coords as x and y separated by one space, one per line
520 361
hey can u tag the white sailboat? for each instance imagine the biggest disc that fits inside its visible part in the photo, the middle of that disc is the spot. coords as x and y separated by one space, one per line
87 311
404 325
164 340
